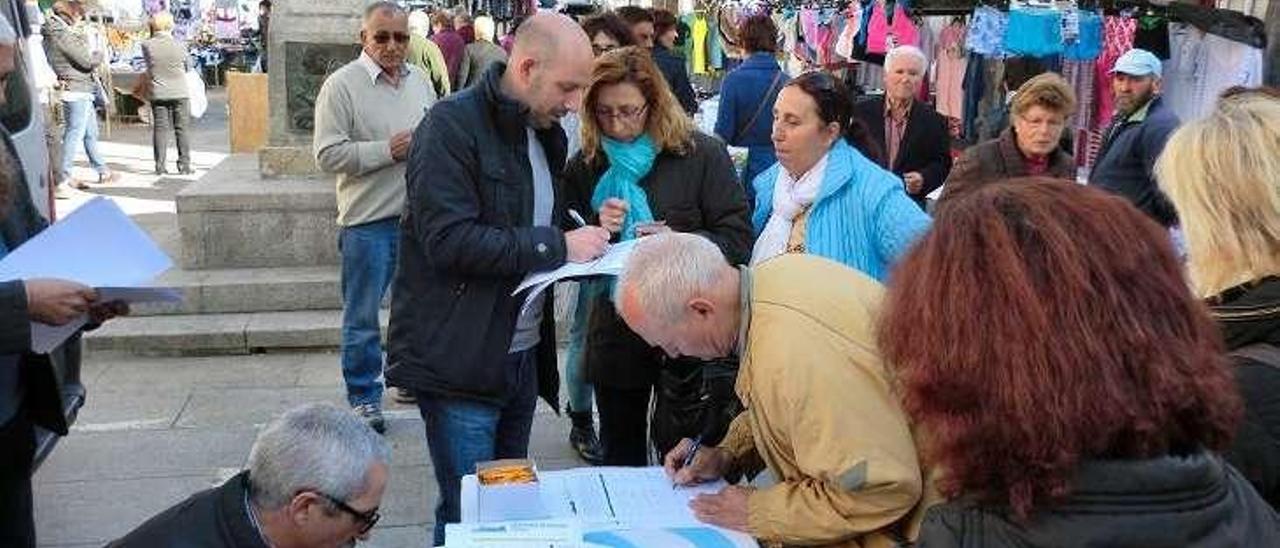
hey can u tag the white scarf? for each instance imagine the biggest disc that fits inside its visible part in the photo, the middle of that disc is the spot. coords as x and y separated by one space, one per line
791 197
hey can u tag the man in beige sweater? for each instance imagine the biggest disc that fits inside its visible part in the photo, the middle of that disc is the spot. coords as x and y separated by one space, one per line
820 413
365 116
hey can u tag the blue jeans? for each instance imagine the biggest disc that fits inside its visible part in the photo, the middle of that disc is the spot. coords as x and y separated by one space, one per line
580 395
81 121
368 261
461 433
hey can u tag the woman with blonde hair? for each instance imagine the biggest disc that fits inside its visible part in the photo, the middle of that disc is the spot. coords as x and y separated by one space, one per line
642 169
1222 173
1030 147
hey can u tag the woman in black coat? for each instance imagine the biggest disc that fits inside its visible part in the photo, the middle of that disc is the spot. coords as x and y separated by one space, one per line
643 169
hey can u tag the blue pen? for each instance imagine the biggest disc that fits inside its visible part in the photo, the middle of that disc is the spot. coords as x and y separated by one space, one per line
688 459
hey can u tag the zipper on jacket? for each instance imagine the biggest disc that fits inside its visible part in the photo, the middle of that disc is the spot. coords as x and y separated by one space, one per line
1247 314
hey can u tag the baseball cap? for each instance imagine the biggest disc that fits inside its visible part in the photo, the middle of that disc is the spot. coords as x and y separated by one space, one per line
1138 62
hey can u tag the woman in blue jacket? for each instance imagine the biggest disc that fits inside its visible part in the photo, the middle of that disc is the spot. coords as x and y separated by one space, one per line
824 196
747 96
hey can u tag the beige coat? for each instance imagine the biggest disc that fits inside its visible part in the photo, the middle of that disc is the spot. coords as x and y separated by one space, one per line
820 413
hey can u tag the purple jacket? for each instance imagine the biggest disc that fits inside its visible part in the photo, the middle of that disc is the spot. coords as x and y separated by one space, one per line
452 46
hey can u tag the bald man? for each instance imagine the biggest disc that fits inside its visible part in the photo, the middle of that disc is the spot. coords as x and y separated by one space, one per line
481 214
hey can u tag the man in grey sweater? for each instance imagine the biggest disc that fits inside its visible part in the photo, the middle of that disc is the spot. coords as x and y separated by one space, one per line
365 115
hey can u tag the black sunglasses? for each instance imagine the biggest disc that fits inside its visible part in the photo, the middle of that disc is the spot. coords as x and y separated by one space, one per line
366 519
384 37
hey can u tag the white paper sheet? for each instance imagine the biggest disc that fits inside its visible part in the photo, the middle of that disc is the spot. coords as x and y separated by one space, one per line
45 337
515 534
96 245
613 503
609 264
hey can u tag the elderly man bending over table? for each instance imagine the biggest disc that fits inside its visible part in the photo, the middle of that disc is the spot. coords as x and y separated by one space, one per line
820 414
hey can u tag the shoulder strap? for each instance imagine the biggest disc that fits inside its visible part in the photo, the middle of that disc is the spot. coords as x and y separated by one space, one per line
1264 353
760 107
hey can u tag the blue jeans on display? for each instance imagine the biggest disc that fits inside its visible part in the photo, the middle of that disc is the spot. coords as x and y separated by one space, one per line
81 128
368 261
461 433
580 393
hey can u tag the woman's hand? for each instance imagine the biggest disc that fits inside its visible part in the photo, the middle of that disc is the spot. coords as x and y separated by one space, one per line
613 212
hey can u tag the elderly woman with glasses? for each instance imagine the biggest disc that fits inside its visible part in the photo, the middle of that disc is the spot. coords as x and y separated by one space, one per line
643 169
825 196
1030 147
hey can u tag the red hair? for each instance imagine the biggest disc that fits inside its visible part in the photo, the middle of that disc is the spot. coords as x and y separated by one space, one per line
1042 323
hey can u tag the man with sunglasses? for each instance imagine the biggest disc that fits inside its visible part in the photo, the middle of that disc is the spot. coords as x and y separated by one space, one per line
316 477
365 115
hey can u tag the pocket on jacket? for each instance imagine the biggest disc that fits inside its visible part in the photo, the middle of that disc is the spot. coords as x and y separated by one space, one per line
504 193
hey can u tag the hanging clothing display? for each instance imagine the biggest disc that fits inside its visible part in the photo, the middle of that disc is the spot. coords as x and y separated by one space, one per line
1152 34
1087 43
986 31
699 31
1117 39
1033 32
949 67
1081 76
884 34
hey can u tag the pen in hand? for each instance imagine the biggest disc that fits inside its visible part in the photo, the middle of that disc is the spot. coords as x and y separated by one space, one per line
688 458
577 218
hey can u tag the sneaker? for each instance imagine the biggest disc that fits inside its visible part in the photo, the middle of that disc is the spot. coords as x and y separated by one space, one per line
403 396
372 416
108 178
583 439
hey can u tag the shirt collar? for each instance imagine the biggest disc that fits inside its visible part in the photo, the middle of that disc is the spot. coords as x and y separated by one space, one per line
375 70
744 308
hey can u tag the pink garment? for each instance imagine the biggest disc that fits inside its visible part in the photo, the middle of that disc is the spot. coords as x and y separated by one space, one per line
880 33
1117 38
826 37
852 24
809 25
951 62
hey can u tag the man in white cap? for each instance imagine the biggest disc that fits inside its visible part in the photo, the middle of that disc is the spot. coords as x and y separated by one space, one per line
1138 132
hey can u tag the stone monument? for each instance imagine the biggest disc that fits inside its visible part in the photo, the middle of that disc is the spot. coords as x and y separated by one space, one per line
275 208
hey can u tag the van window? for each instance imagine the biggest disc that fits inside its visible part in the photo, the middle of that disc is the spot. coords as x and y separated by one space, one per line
15 114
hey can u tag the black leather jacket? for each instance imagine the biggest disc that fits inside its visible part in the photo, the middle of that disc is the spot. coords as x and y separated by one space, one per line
466 241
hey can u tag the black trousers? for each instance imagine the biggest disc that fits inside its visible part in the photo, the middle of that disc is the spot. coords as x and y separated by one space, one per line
166 116
17 449
624 425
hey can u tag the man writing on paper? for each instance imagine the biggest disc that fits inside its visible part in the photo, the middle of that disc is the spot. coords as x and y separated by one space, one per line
481 214
820 414
29 392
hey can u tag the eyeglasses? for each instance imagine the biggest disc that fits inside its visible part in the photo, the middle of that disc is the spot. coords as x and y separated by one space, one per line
366 519
621 113
383 37
600 49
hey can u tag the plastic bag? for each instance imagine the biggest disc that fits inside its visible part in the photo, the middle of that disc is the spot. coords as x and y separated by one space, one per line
198 101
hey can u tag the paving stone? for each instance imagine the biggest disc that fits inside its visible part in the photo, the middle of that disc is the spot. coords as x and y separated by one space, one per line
100 511
124 455
130 408
217 408
280 370
410 496
410 536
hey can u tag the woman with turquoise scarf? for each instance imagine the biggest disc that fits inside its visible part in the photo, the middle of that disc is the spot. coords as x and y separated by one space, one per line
824 196
644 169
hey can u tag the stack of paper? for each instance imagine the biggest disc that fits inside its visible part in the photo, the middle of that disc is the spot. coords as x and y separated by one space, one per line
609 264
98 246
623 507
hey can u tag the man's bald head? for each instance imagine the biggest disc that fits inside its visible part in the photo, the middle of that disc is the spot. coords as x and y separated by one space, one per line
550 36
549 67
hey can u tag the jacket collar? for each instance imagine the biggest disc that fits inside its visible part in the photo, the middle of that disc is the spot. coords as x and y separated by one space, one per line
232 514
1194 477
1249 313
509 116
1014 162
843 164
1147 110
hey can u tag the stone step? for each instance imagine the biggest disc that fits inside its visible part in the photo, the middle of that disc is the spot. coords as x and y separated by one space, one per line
248 290
236 333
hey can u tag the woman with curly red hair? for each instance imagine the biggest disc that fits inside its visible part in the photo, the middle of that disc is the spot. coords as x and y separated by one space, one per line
1070 388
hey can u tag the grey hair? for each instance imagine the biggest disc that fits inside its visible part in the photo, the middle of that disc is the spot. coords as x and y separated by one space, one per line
907 51
313 447
665 271
383 6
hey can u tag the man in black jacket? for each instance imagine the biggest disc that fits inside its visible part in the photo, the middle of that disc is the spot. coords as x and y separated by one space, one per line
670 63
315 479
1141 127
480 215
914 140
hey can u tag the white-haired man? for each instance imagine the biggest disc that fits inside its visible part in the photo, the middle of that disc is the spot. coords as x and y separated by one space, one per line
480 53
915 141
820 413
315 479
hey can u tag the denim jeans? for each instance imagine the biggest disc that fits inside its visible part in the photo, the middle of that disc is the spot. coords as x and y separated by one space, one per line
580 394
81 128
461 433
368 261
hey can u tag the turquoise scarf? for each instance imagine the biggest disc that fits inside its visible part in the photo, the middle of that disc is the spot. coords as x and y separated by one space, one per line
628 163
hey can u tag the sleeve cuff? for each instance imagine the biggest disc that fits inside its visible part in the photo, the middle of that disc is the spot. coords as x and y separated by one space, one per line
375 155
